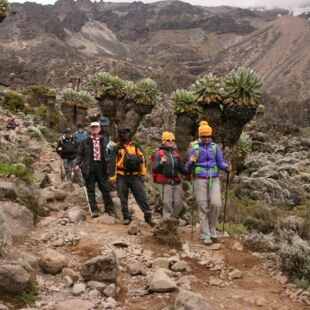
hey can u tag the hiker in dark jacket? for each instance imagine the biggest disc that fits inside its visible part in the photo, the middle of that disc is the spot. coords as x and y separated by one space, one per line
91 161
67 149
166 171
128 169
80 134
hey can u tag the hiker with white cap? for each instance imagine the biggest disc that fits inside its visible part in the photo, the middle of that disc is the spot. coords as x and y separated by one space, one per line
91 161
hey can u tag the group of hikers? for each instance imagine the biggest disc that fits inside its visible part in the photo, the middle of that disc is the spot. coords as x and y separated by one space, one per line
95 159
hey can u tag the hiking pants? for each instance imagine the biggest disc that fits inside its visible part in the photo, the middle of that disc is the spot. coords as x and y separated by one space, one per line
69 165
209 203
171 197
135 184
99 177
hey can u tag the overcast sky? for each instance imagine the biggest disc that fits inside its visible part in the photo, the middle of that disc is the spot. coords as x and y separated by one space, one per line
238 3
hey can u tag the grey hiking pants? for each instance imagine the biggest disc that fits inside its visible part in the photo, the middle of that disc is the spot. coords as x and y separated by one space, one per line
209 207
69 165
171 197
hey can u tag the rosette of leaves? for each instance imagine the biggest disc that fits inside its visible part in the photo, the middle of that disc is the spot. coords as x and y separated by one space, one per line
71 97
130 90
244 145
242 87
146 92
5 8
208 89
184 101
109 85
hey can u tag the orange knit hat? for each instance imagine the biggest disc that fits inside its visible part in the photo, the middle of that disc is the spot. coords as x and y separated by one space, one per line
204 129
167 135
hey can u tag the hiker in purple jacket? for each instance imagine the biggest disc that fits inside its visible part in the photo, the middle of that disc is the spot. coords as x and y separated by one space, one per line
204 160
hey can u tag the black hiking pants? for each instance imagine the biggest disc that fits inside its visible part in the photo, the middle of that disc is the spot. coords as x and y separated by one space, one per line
98 176
135 184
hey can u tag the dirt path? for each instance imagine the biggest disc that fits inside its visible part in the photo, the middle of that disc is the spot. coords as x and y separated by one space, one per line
256 289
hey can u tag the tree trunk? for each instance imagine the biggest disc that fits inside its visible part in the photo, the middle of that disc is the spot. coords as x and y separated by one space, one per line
81 114
143 109
184 132
108 106
68 113
234 119
133 120
214 116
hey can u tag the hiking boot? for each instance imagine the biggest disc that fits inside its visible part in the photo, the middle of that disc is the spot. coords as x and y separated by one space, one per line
151 223
126 222
207 241
95 213
213 234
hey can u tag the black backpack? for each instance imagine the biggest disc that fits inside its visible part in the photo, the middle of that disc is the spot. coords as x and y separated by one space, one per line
132 163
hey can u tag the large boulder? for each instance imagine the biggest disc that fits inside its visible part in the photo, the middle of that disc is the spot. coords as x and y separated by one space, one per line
100 268
13 278
7 190
52 261
18 218
77 197
161 282
187 300
5 235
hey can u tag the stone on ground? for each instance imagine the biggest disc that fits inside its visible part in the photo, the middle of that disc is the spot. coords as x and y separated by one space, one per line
76 215
161 282
13 278
77 304
187 300
52 261
100 268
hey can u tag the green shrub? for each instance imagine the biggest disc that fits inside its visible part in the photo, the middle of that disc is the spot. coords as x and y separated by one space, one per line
184 101
5 8
233 229
296 261
13 101
28 297
18 170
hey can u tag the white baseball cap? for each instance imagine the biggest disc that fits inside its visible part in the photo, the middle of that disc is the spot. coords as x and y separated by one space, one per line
95 124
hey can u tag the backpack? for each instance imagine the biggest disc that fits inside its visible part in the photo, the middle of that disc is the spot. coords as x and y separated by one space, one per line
159 177
132 163
195 146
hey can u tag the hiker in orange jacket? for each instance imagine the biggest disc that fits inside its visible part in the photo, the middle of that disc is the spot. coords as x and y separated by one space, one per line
128 169
167 168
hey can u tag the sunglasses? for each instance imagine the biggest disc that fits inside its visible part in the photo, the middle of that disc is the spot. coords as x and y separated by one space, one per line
170 140
203 137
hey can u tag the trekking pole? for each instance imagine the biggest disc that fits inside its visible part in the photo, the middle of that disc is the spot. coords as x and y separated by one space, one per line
193 206
62 175
226 192
87 199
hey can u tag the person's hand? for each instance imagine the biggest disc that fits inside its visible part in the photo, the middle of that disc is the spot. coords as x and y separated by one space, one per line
77 168
164 159
193 158
229 168
113 183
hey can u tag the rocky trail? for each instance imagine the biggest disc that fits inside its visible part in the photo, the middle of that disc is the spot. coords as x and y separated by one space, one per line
75 267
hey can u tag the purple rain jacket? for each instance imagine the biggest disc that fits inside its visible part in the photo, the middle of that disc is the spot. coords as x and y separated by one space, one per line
206 160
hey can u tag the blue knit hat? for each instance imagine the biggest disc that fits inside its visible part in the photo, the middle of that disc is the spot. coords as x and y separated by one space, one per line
104 121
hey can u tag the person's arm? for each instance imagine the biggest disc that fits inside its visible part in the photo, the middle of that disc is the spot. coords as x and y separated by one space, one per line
112 164
143 164
158 164
80 154
59 147
220 160
190 164
182 168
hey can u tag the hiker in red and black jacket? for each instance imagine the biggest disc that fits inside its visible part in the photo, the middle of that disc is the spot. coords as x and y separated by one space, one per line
167 167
